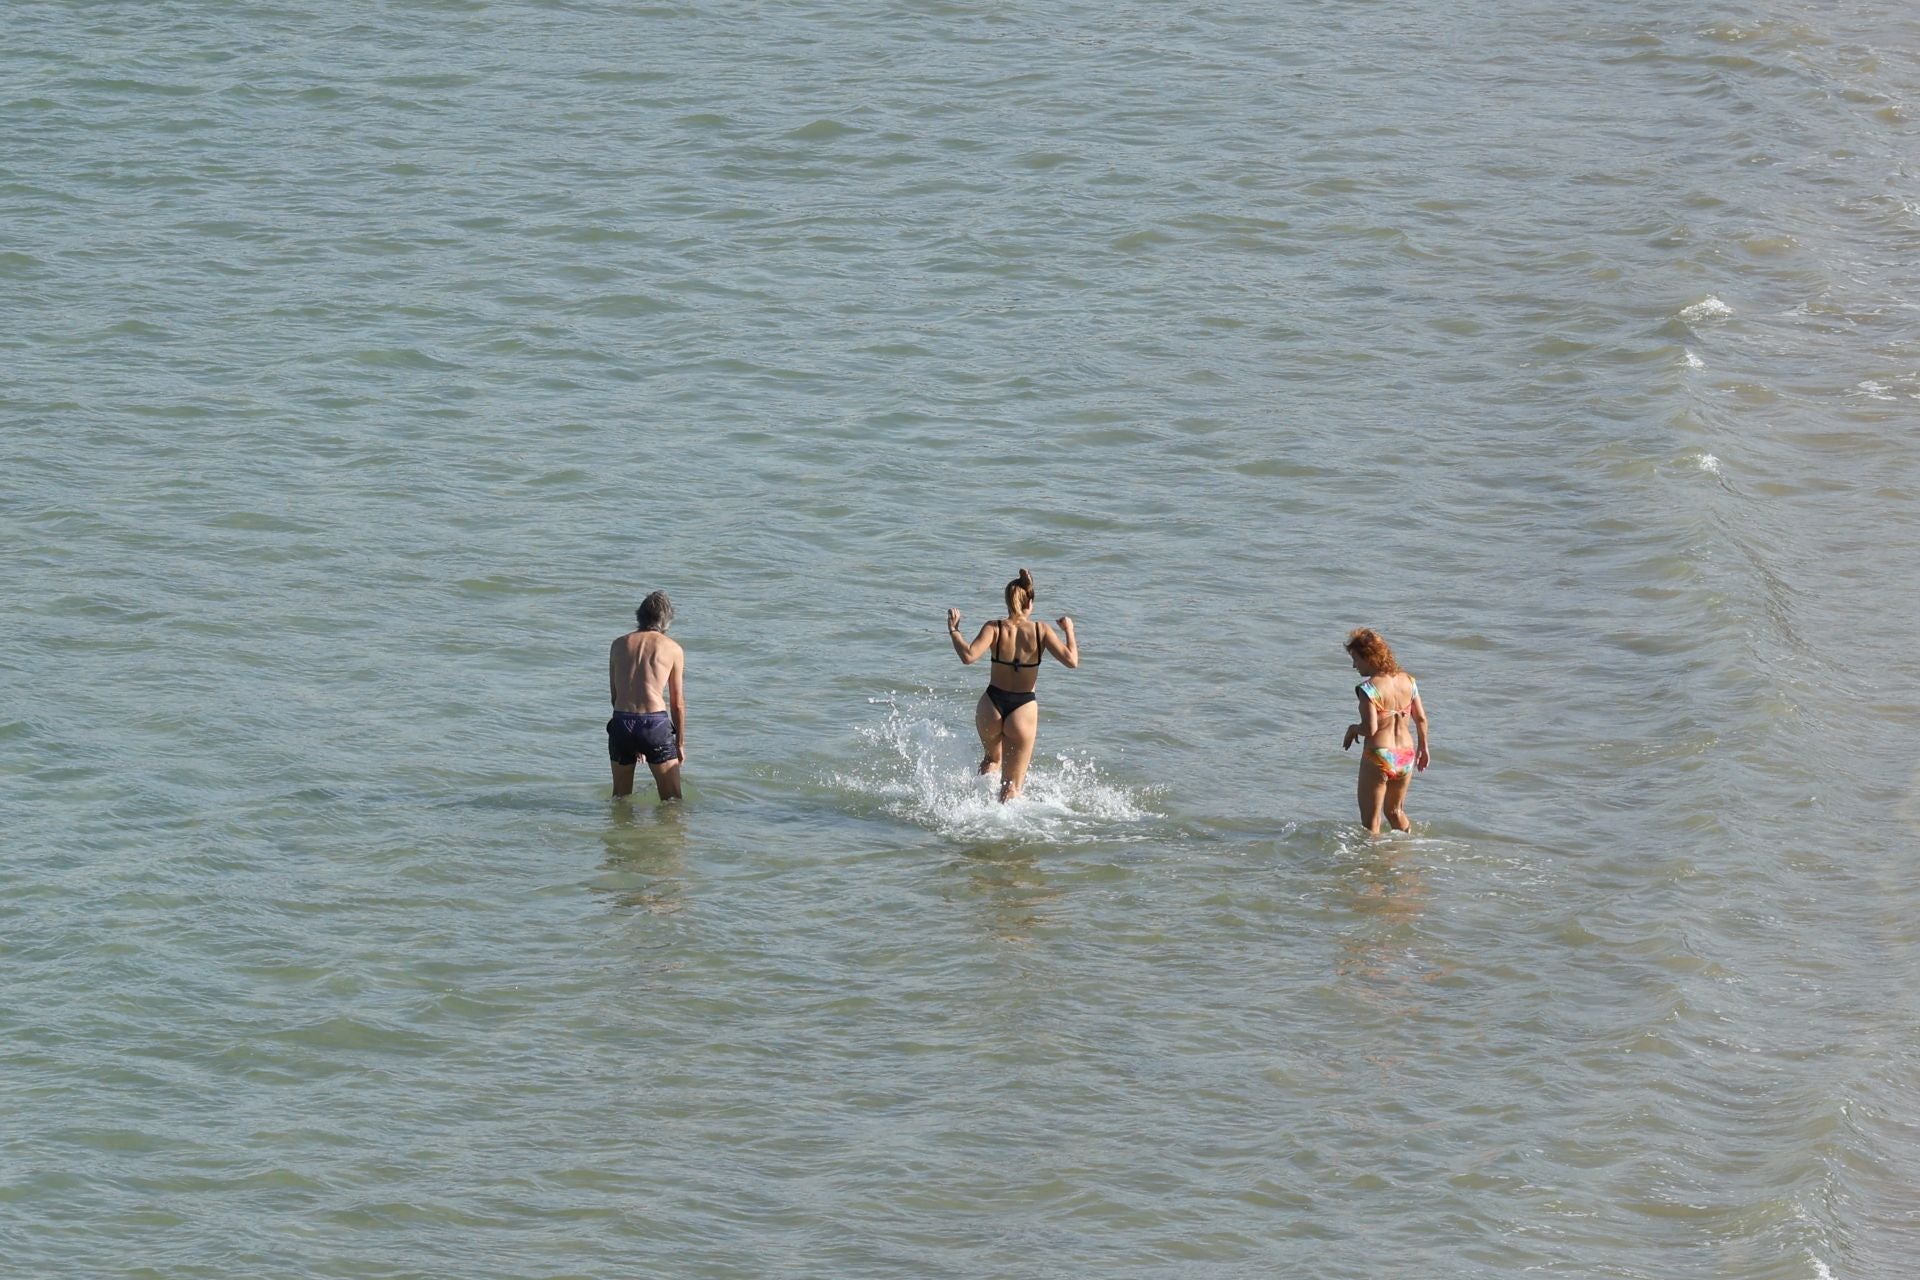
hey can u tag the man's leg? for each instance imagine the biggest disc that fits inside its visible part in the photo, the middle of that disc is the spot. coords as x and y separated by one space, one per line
622 780
666 779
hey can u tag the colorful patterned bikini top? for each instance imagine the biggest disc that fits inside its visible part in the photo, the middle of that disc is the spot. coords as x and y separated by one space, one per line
1366 690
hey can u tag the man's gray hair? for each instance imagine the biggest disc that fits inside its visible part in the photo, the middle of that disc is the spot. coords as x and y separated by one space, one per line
655 612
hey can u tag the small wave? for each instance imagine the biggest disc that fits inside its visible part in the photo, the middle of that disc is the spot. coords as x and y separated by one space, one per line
1873 390
1708 308
1693 361
821 131
924 770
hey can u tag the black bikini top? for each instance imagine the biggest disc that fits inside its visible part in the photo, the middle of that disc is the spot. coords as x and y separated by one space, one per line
1036 657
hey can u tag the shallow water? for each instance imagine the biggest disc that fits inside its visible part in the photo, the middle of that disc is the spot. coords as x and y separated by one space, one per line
364 368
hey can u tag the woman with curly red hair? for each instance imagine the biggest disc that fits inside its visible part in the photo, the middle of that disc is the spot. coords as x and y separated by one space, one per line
1389 699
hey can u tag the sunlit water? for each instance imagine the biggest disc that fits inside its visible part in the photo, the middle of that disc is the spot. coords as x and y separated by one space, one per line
365 364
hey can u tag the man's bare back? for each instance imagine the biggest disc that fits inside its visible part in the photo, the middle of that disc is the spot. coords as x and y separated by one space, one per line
639 666
645 673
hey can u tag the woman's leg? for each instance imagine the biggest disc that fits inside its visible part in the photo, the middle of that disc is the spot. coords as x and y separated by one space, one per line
1396 799
1018 732
1373 794
986 722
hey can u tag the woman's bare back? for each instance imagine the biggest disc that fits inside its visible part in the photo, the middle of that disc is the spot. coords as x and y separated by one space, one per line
1392 699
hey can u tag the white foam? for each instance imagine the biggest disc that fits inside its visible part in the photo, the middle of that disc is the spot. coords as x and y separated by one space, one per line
1694 362
923 764
1709 463
1708 308
1820 1271
1873 390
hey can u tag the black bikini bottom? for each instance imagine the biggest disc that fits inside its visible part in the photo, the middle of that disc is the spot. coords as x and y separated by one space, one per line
1007 703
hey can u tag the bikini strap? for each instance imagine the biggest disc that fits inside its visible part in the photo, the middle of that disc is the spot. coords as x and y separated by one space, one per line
1366 690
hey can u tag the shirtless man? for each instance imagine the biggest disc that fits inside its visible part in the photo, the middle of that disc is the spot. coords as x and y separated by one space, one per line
649 706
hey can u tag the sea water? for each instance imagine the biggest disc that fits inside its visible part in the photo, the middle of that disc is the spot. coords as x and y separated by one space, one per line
362 365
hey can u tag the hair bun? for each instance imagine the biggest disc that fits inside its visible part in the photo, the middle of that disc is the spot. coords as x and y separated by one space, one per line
1026 579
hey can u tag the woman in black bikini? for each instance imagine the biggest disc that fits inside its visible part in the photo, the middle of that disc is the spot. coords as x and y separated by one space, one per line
1008 718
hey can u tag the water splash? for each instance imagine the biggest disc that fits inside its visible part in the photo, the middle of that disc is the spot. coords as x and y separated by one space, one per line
1709 463
1708 308
921 764
1693 361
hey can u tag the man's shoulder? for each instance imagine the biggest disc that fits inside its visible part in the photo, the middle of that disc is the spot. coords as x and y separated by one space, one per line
647 642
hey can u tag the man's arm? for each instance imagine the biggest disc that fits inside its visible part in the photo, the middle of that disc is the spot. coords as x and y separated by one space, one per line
613 681
677 701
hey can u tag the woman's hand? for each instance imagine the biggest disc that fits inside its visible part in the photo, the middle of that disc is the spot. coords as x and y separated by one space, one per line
953 619
1353 732
1066 623
1421 759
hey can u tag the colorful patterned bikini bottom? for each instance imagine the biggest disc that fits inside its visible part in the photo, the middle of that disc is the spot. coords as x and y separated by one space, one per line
1395 762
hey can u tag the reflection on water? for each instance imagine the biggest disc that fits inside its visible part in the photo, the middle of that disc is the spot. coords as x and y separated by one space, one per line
1008 880
1381 952
645 866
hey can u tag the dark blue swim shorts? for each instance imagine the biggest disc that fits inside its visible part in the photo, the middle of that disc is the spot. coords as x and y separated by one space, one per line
632 734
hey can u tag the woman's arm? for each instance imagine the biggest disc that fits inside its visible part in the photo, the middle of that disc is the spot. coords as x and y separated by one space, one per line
969 653
1069 652
1421 755
1369 716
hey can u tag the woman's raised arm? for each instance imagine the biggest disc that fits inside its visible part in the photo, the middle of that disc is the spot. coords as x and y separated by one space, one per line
1069 652
969 653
